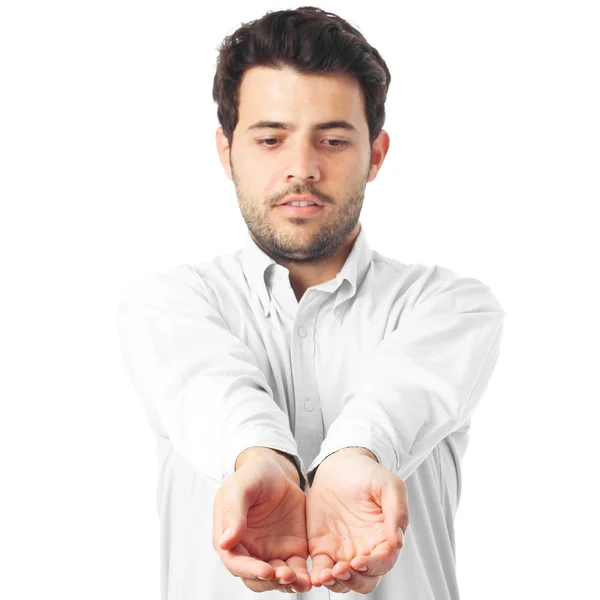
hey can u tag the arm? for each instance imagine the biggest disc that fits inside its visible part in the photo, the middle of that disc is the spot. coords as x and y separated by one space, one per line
200 384
425 378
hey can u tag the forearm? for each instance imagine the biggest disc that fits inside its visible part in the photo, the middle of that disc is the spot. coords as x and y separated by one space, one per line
201 385
424 379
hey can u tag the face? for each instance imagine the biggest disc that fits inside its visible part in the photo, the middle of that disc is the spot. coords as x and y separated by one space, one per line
269 163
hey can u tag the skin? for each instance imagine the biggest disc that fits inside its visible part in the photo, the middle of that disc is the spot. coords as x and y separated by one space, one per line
263 508
356 516
351 522
269 164
346 522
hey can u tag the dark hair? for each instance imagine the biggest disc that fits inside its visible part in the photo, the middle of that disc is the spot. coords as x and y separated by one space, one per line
309 40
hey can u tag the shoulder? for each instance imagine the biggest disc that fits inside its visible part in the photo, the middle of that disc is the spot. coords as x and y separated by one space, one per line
202 278
423 284
450 291
163 284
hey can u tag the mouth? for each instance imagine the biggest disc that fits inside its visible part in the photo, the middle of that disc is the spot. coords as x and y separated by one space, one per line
300 211
297 205
304 205
301 198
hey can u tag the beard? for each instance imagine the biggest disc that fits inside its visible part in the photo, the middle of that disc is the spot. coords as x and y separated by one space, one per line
301 240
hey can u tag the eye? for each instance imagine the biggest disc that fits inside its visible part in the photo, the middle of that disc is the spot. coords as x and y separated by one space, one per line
333 143
262 142
339 143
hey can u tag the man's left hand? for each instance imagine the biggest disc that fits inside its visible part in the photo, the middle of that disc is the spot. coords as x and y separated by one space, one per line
354 510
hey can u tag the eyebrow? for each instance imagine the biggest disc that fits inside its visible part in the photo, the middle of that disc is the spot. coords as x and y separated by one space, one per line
340 124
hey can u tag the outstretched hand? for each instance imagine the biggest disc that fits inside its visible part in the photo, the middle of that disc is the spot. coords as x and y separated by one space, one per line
259 525
356 516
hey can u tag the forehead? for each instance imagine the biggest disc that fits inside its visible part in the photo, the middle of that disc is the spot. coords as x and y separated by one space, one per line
286 95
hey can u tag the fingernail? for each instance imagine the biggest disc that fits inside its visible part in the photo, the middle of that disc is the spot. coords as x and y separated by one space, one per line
400 534
262 578
345 576
226 534
283 581
295 590
364 568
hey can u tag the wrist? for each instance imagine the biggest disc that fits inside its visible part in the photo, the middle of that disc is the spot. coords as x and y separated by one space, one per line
348 451
352 451
284 460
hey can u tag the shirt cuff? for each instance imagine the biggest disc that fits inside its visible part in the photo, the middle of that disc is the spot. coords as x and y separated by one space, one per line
362 435
300 468
292 452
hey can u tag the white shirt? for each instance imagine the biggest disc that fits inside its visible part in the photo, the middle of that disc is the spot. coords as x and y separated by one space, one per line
388 356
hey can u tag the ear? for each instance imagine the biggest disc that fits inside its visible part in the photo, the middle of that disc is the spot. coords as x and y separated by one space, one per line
224 150
381 146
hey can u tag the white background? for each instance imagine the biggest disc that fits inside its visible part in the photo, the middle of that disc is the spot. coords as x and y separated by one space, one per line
108 172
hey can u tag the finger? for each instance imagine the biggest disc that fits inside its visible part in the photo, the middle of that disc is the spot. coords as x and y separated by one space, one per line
320 562
267 586
298 564
394 504
378 562
284 574
292 575
348 578
239 563
261 586
332 584
284 579
230 514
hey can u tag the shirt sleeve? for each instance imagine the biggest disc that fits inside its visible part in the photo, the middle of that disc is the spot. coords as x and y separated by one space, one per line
201 385
425 378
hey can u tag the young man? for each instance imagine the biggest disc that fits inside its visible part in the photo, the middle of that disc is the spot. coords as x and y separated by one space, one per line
306 390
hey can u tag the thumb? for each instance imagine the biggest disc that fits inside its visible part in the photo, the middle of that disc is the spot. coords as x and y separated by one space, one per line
232 517
394 504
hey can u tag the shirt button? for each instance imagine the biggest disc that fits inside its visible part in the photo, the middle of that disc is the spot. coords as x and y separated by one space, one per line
309 405
301 332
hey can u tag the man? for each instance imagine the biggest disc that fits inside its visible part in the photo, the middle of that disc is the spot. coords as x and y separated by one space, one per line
306 390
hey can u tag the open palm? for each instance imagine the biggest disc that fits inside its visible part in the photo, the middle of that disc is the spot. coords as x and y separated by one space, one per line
345 516
276 525
274 532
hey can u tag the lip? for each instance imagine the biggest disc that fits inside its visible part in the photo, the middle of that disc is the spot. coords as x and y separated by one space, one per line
300 211
300 198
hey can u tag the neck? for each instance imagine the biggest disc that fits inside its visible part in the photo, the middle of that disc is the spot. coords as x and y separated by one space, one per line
303 276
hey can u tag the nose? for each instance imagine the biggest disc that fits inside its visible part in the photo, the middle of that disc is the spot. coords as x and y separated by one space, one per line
303 162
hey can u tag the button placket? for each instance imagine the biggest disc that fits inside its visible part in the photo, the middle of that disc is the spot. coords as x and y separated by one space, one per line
308 423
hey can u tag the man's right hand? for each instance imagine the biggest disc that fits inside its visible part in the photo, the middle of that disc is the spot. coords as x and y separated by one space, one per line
263 508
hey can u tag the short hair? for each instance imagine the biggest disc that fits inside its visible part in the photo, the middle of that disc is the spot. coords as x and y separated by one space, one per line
309 40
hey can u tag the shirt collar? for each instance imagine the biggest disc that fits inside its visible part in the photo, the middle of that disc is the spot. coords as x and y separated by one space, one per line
258 268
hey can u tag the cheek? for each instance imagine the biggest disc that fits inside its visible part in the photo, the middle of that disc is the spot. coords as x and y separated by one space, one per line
271 183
